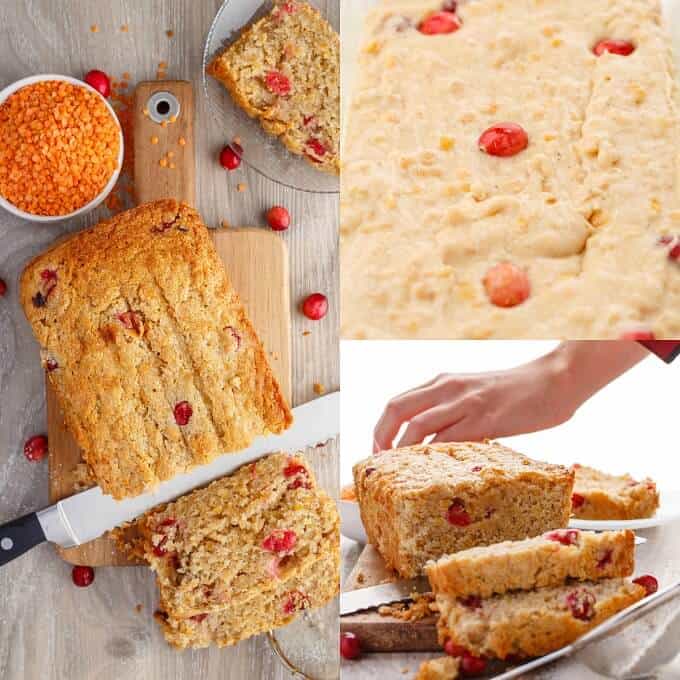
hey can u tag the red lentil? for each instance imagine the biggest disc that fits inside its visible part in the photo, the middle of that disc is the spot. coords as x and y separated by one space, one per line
59 146
169 33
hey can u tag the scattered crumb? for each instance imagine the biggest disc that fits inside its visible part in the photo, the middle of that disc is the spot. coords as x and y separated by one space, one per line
348 493
420 608
163 163
170 33
361 577
173 119
154 139
172 166
241 186
146 112
225 224
237 140
164 123
94 28
139 607
124 28
319 388
171 154
305 333
181 141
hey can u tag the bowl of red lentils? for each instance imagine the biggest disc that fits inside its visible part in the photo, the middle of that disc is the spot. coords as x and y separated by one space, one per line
61 148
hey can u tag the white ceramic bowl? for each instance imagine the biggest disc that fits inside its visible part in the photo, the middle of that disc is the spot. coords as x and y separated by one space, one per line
11 89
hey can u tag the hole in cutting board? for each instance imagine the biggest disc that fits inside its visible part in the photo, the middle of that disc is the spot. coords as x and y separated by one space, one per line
163 106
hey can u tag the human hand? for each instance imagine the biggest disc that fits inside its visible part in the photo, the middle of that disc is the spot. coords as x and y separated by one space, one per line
535 396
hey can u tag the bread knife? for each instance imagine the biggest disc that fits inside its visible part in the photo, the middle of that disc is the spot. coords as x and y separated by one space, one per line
396 591
85 516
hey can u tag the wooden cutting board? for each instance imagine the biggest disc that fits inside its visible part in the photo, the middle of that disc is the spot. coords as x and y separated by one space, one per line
384 633
256 261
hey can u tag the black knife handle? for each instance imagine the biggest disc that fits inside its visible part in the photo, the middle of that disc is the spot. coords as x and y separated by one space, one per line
19 536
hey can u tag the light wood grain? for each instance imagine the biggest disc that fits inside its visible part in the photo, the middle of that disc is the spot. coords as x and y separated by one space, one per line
50 630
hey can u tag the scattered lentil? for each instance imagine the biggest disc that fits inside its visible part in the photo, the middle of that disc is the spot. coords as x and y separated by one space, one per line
181 141
124 28
163 163
319 389
170 33
241 187
154 140
94 28
59 147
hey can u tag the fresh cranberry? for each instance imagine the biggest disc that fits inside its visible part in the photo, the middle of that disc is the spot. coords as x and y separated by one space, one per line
605 560
439 23
278 218
3 287
563 536
99 81
183 413
577 501
277 83
452 649
622 47
503 139
507 285
288 7
315 306
199 618
82 576
581 603
457 514
638 336
472 665
471 602
350 647
35 448
280 541
317 147
131 321
51 365
229 158
648 582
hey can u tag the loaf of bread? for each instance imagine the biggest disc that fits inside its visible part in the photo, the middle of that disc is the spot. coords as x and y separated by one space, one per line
601 496
148 347
241 556
285 71
547 560
532 623
419 503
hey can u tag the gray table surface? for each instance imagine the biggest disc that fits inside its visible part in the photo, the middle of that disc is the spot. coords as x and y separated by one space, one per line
50 630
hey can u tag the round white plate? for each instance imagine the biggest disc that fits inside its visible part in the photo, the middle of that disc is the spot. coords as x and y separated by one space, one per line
351 525
667 513
261 151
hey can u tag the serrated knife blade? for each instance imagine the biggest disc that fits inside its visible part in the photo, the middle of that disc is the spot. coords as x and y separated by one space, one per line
386 593
87 515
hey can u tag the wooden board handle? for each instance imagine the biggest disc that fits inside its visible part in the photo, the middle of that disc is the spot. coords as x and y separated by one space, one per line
164 142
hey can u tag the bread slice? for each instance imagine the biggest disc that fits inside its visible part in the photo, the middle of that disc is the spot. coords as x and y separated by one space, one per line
419 503
242 556
443 668
547 560
148 347
532 623
601 496
285 71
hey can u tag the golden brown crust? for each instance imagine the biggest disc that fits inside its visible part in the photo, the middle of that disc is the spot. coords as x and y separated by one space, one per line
138 316
222 577
304 47
406 497
528 624
539 562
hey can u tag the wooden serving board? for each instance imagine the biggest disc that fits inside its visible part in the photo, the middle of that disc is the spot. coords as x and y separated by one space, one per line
385 633
256 261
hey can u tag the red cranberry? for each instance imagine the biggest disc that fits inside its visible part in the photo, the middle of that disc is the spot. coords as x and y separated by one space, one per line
606 559
159 550
288 7
99 81
638 336
581 603
35 448
277 83
294 601
674 253
563 536
648 582
452 649
476 468
51 365
316 147
168 522
472 665
3 287
503 139
183 412
577 501
622 47
350 647
457 514
131 320
229 158
315 306
471 602
199 618
278 218
82 576
439 23
507 285
280 541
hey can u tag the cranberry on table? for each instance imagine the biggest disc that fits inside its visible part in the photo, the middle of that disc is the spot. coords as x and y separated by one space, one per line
621 47
82 576
503 139
472 665
315 306
99 81
278 218
35 448
439 23
648 582
3 287
507 285
230 158
350 647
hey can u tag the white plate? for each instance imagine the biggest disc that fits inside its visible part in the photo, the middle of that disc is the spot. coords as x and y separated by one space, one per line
261 151
351 525
667 513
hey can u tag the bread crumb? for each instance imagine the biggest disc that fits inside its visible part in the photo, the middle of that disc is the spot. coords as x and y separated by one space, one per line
124 28
94 28
241 186
181 141
319 388
225 224
305 333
